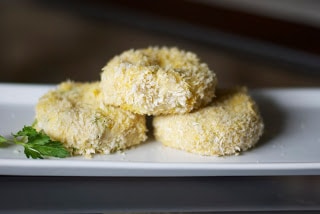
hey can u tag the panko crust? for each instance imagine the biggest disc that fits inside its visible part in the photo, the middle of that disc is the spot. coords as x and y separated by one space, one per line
157 81
228 125
74 114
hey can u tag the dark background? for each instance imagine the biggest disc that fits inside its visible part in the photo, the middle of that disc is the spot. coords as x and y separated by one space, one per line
52 41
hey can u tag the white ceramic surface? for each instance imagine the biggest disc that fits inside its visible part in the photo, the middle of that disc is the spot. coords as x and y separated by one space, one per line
290 145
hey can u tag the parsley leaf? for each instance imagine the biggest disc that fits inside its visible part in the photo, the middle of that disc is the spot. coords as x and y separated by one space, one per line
30 152
37 144
27 131
52 148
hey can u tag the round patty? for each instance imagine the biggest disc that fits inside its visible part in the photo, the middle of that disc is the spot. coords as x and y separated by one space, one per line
74 114
157 81
231 123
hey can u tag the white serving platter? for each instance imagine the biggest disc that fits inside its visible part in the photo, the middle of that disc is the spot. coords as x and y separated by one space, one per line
289 146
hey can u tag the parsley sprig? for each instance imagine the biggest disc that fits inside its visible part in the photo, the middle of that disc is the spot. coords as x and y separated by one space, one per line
36 144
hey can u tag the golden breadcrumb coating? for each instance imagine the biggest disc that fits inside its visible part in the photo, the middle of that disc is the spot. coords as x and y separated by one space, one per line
156 81
74 114
228 125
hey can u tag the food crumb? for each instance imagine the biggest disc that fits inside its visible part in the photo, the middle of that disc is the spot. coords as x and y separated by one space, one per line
16 151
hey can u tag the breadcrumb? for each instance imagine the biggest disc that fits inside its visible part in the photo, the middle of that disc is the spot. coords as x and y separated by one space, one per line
228 125
156 81
74 114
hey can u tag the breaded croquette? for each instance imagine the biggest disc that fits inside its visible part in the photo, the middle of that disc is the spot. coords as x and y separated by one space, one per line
231 123
157 81
74 114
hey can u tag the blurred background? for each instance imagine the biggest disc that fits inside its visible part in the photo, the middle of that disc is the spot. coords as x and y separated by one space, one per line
246 42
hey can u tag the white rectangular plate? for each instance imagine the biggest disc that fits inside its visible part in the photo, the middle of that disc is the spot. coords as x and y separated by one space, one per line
289 146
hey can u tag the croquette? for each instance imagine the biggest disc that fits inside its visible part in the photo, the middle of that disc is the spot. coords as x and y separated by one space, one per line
157 81
74 114
230 124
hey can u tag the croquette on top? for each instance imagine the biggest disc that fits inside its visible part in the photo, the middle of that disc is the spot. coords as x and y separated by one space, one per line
156 81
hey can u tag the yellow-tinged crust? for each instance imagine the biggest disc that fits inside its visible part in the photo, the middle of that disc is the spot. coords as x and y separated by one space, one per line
74 114
228 125
156 81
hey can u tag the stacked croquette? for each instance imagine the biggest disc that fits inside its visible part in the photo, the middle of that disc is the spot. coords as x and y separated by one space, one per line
170 84
157 81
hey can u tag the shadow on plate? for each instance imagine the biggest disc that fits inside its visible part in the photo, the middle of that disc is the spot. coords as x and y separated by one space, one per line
274 118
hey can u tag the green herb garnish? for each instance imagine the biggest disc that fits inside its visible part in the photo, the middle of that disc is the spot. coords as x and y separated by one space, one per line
37 144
